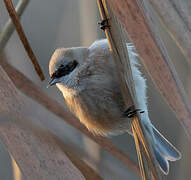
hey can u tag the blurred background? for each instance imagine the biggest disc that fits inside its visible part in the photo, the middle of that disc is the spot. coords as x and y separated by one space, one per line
69 23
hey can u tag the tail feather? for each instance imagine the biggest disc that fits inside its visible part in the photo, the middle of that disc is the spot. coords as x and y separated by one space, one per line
166 148
164 151
163 163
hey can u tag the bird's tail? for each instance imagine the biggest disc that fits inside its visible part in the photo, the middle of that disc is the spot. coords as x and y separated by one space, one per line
164 151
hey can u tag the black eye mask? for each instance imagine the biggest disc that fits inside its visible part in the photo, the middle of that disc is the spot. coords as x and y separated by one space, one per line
65 69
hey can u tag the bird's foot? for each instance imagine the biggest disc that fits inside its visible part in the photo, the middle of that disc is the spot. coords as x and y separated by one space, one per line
131 111
104 24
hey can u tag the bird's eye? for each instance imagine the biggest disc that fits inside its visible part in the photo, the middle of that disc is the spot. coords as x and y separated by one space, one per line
65 69
72 65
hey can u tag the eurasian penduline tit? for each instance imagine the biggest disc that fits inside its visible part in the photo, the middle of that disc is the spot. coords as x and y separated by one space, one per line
89 82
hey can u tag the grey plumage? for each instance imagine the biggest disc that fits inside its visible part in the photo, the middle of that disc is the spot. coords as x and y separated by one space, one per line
91 90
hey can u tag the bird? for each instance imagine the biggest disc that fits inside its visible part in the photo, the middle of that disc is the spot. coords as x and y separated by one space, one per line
89 83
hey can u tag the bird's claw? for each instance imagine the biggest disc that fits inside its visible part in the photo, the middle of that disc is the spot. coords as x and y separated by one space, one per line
104 24
131 111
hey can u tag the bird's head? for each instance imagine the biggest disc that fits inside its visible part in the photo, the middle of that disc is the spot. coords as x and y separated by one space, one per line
64 62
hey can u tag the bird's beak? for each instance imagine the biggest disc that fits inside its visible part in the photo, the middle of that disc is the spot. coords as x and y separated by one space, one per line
52 82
